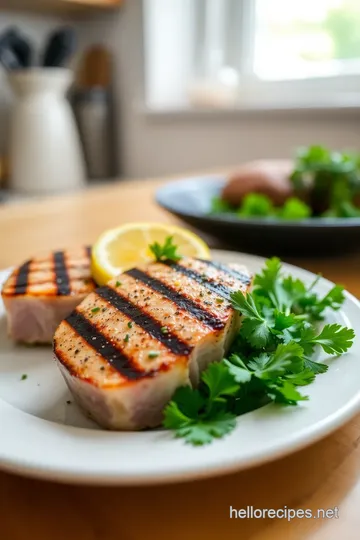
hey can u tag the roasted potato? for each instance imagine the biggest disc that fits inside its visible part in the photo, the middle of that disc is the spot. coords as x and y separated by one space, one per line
268 177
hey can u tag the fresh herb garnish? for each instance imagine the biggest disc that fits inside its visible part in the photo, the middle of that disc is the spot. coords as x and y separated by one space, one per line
153 354
199 416
164 330
129 324
219 206
126 338
256 205
166 251
95 310
325 183
24 377
118 284
294 209
270 360
333 177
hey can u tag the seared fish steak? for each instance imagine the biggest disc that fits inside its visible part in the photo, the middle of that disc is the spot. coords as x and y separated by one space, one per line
40 293
128 346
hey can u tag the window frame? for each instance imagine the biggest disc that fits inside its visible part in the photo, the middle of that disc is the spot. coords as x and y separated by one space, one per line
334 91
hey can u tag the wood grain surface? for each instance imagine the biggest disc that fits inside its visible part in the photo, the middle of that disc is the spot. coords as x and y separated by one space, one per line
325 475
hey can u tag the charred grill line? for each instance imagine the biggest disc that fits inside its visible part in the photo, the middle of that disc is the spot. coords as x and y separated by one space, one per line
22 278
105 348
61 274
145 321
179 299
245 279
216 288
24 284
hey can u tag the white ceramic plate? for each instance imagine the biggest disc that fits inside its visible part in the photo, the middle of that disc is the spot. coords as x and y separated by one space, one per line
43 436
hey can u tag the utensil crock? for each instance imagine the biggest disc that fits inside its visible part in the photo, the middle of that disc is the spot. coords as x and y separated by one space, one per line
45 149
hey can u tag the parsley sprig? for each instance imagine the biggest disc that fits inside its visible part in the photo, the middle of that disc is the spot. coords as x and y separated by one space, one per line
201 415
270 360
166 251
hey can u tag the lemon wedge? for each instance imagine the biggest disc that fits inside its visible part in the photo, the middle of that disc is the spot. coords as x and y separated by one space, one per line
127 246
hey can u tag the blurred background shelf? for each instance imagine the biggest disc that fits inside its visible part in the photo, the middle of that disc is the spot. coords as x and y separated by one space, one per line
58 6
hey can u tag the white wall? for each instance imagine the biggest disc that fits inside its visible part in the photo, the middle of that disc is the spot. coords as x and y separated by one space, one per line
36 28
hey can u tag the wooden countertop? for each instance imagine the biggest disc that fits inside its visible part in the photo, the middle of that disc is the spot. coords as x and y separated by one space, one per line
325 475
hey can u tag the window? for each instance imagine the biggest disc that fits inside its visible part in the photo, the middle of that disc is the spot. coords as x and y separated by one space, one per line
252 53
308 38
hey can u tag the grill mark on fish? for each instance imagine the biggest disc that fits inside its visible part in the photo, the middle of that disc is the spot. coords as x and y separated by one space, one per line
61 274
43 272
148 323
244 278
179 299
87 284
49 280
22 278
216 288
109 352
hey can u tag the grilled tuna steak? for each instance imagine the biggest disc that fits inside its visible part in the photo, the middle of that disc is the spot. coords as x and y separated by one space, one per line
43 291
129 345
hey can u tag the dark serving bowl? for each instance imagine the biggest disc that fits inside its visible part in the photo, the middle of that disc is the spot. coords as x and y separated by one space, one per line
190 200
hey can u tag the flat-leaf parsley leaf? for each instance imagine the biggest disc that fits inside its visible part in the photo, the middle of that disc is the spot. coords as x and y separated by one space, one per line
166 251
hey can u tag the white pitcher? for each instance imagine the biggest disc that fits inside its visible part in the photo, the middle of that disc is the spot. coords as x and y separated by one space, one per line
45 149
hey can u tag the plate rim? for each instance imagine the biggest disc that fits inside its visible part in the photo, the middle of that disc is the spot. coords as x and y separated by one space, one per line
301 439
